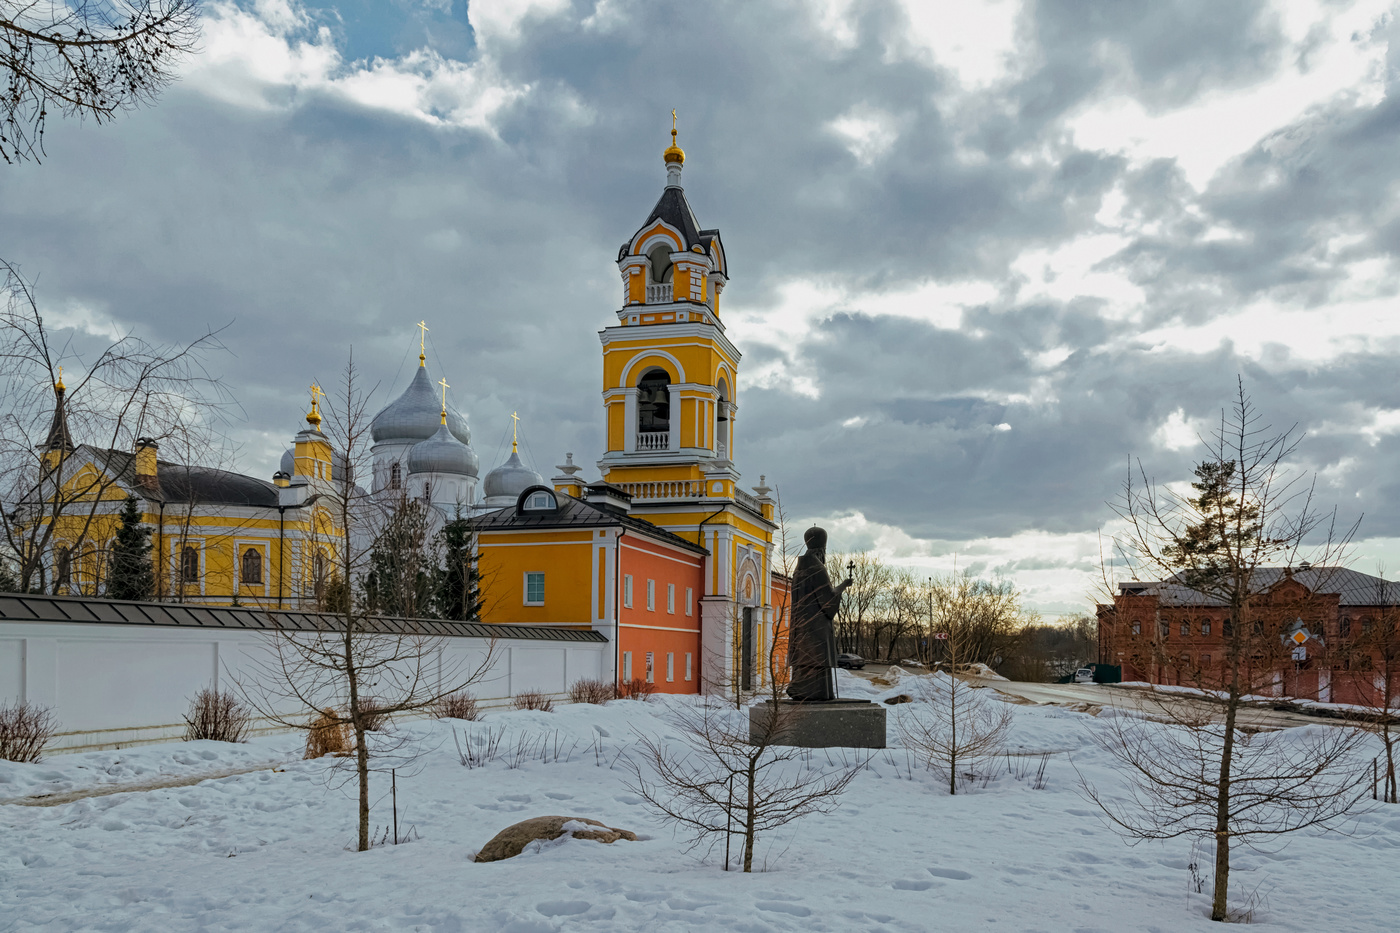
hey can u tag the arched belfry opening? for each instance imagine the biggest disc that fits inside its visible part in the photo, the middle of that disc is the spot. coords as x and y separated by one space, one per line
722 418
661 269
653 409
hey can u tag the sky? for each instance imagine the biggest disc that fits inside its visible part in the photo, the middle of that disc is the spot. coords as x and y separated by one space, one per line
985 254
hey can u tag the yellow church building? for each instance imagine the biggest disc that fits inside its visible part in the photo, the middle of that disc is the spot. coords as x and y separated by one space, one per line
665 554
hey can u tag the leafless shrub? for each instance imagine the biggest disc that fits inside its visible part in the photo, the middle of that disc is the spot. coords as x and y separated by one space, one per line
596 692
218 716
953 728
329 735
475 750
460 705
24 731
373 714
533 699
636 690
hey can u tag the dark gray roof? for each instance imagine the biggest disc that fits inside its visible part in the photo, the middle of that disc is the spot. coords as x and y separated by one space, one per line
17 607
1352 587
673 208
575 513
197 484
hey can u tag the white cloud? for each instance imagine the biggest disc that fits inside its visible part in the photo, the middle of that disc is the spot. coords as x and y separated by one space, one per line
868 134
1334 52
1177 432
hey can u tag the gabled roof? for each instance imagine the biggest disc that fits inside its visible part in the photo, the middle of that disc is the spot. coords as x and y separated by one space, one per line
576 513
15 607
1352 587
673 209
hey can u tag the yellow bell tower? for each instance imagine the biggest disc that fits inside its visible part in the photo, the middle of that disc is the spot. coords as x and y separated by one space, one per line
670 384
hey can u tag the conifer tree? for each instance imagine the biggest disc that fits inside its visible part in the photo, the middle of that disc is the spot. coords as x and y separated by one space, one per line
130 575
459 584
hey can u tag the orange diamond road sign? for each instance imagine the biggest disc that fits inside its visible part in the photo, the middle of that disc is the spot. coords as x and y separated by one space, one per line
1299 638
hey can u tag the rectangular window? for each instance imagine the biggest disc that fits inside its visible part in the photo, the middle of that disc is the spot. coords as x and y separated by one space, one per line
534 588
689 595
651 670
670 666
627 590
687 665
651 596
1164 629
1137 628
1205 659
1205 626
1186 628
627 667
671 598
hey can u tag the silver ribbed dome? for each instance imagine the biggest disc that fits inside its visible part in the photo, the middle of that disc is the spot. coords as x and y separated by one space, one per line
511 478
442 453
289 461
416 415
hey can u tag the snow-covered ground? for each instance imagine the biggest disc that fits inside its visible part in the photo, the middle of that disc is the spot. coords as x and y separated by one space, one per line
270 849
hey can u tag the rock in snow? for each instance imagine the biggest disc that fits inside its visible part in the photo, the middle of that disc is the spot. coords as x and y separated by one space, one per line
512 840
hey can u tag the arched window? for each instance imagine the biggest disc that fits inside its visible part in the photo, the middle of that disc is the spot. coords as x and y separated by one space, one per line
654 402
541 501
318 573
62 566
660 257
189 564
395 477
252 566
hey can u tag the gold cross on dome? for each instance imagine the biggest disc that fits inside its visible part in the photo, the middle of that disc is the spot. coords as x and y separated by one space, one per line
422 340
515 436
673 120
443 382
316 394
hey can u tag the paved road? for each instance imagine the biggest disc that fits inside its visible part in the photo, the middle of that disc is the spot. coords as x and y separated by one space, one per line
1134 698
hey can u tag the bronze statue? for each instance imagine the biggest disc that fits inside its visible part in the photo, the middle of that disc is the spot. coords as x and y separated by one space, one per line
812 639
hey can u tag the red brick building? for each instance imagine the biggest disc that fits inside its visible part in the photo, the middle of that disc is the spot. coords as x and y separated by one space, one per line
1320 633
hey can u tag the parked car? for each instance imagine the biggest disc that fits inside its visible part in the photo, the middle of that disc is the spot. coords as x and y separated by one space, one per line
852 662
1085 675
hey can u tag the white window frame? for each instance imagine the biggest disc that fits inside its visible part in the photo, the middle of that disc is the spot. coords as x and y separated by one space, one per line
526 594
689 604
651 595
627 667
687 665
671 598
651 667
670 667
627 591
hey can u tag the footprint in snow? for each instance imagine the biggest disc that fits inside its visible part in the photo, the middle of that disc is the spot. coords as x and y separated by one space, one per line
777 907
950 873
900 884
563 908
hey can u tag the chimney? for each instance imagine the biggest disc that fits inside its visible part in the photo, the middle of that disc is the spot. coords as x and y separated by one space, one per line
146 461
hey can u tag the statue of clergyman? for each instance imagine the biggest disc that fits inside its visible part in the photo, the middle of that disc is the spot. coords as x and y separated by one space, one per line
812 640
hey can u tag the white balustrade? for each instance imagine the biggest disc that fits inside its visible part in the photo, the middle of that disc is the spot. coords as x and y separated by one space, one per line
653 440
658 294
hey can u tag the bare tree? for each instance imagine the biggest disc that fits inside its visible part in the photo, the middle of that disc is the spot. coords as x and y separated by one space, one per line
729 774
984 619
870 581
1204 776
84 59
1372 663
953 725
367 668
55 491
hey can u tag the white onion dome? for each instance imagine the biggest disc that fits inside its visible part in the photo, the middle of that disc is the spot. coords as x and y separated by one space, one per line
289 461
511 478
442 453
416 415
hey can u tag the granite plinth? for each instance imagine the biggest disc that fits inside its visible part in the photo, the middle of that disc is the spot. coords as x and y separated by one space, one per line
820 723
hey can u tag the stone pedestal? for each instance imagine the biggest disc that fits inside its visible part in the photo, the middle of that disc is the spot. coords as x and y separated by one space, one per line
823 724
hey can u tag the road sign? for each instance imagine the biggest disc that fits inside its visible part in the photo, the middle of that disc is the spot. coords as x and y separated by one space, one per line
1300 637
941 636
1300 653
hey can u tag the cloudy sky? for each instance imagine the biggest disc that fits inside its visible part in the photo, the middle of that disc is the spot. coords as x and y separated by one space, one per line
983 251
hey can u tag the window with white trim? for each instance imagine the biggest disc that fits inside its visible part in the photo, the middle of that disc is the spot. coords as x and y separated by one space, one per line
534 588
651 667
689 603
671 598
627 590
687 665
670 666
651 596
627 667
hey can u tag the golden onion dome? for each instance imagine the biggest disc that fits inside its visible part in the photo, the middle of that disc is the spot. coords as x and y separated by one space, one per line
674 153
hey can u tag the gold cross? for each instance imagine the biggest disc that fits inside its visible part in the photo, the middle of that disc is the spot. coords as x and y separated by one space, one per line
673 120
515 438
443 382
422 340
316 394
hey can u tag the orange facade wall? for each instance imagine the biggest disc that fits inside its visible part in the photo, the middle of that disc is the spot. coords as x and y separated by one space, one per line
660 628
